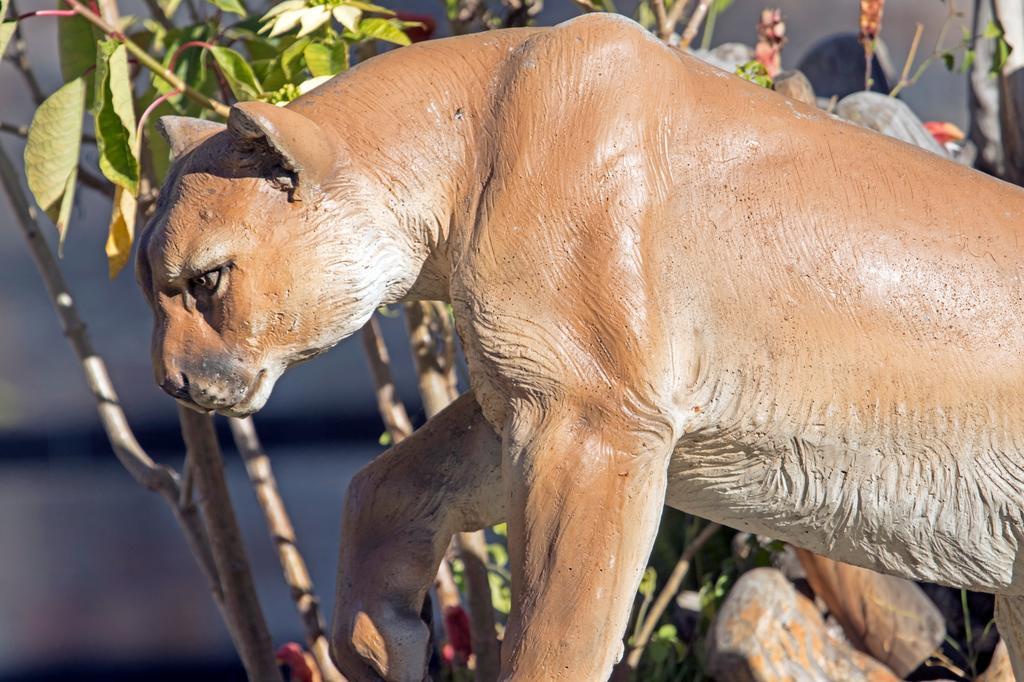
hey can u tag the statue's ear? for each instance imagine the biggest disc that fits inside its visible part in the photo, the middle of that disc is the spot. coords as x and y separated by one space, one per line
295 142
184 133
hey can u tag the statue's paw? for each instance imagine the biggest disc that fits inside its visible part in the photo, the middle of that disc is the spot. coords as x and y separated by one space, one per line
381 644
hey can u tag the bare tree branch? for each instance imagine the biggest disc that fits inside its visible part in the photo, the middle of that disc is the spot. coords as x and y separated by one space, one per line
140 466
674 16
693 25
22 63
296 575
392 411
252 637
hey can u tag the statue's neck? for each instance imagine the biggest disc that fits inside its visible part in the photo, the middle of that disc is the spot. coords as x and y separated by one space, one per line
412 122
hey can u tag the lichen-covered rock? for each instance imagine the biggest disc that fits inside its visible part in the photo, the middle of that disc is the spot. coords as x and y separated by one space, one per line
888 617
795 85
767 631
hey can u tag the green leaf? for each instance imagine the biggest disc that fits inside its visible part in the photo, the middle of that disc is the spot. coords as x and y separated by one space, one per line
190 65
238 73
51 152
169 7
949 60
76 42
323 60
383 29
115 117
3 9
6 32
290 63
999 56
968 61
233 6
992 30
648 582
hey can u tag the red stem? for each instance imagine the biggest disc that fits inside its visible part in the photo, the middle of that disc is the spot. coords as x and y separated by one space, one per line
149 110
47 13
221 81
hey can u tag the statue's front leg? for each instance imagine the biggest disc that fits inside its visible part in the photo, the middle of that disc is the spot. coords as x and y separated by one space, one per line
400 512
586 497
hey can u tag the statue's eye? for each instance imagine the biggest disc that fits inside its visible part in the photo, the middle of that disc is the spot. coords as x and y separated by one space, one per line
207 282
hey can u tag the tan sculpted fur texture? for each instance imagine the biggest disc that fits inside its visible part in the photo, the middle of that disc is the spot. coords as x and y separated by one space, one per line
672 287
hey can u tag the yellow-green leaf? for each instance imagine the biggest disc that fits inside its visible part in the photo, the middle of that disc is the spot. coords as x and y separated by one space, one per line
61 216
325 61
51 152
6 31
233 6
348 16
238 73
76 45
114 113
290 63
3 9
383 29
121 231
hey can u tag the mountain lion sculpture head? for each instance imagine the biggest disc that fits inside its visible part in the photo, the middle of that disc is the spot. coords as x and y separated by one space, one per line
265 249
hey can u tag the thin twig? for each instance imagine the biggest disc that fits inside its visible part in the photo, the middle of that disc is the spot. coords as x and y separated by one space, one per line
13 129
296 575
674 16
668 592
392 411
664 30
693 25
435 371
150 62
903 82
22 63
158 14
241 603
87 178
472 549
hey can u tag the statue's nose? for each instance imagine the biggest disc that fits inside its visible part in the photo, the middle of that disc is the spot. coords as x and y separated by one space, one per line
176 385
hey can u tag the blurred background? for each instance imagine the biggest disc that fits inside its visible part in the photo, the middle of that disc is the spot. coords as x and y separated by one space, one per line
95 579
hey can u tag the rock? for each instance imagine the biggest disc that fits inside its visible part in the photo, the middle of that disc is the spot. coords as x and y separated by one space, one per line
890 618
766 631
727 56
999 670
835 66
888 116
795 85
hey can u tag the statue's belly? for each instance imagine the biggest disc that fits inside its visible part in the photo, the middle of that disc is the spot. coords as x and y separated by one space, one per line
930 514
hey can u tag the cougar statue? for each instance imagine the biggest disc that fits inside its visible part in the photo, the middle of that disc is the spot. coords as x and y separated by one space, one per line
672 286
